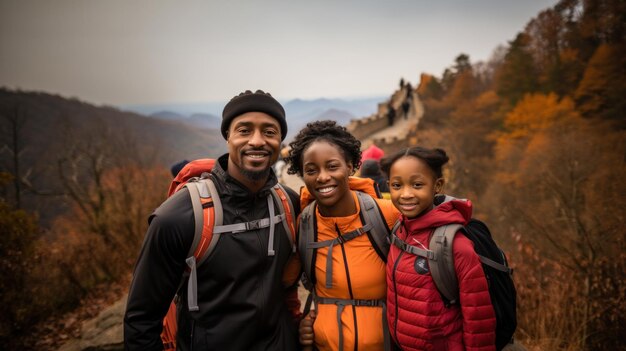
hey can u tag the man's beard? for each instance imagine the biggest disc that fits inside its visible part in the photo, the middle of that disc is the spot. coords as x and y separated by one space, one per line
256 175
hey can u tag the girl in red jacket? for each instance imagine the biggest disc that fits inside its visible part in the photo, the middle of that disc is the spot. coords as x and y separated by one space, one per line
419 318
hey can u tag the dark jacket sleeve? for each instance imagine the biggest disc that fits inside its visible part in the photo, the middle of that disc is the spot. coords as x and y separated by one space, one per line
293 270
158 272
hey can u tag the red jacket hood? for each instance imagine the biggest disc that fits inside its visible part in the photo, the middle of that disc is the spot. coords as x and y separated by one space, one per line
447 210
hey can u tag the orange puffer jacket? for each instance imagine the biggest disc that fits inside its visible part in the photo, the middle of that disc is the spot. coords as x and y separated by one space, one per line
417 316
358 272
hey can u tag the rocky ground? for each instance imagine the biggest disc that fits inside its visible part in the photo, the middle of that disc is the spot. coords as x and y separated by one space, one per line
101 333
63 328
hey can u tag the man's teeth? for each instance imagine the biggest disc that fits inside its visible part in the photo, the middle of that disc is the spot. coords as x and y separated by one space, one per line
326 190
256 156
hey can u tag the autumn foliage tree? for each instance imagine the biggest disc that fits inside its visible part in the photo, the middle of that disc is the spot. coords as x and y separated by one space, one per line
18 231
552 175
601 92
111 189
537 143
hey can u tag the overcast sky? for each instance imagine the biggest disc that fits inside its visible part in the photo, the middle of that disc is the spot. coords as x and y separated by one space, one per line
120 52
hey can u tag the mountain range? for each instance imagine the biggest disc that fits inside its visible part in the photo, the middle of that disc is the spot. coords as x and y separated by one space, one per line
299 112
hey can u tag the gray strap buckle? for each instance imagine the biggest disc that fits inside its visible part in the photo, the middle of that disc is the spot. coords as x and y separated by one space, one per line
253 225
367 303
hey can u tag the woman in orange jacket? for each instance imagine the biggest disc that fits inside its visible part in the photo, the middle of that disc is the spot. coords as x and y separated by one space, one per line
349 275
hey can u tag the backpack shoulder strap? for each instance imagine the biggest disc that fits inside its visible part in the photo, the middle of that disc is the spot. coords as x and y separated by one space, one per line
478 233
285 207
207 212
371 214
396 227
306 236
442 264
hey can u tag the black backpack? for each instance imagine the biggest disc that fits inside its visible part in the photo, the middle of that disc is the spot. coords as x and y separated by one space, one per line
501 286
494 262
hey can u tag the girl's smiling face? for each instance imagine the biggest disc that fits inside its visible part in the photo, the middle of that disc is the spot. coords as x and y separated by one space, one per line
325 173
413 186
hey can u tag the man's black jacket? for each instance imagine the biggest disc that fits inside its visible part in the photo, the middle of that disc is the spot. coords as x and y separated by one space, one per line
240 291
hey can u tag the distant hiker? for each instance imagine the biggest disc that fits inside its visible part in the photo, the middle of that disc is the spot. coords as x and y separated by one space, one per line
343 232
176 167
405 108
240 300
409 90
373 152
391 114
279 166
419 316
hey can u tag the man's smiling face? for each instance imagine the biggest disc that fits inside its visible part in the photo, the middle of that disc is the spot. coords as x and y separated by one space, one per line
253 145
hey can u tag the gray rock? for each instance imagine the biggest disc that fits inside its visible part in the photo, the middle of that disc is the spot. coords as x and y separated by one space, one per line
103 333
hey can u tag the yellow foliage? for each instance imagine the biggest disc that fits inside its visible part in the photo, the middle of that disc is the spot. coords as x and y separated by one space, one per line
536 112
487 100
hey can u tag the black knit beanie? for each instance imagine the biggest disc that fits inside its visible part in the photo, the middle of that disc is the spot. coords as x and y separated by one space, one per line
259 101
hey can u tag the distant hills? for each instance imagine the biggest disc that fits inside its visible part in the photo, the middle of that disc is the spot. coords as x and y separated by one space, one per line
200 120
299 111
49 129
50 133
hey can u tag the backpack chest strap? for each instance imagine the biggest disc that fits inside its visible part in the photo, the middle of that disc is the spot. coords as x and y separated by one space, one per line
349 302
257 224
247 226
406 247
331 243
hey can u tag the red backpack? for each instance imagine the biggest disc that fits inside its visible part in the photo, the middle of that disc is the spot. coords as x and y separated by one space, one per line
208 217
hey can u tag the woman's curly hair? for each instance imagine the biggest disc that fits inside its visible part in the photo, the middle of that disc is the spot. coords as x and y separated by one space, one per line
328 131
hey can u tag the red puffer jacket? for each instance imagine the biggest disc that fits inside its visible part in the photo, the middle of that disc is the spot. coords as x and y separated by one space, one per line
417 316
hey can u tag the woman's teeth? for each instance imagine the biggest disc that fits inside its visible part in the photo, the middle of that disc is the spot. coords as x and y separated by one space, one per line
326 190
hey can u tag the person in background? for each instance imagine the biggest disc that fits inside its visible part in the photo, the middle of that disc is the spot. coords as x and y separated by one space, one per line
176 167
372 152
371 169
279 166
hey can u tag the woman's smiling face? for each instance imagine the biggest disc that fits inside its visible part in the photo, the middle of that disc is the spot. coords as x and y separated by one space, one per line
325 172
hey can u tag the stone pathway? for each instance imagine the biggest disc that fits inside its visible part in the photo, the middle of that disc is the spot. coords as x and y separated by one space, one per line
401 126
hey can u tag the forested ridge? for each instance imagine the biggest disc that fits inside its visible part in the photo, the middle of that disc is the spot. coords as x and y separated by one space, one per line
536 136
537 141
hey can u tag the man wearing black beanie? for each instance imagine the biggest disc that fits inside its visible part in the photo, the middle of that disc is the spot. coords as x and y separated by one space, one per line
246 283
